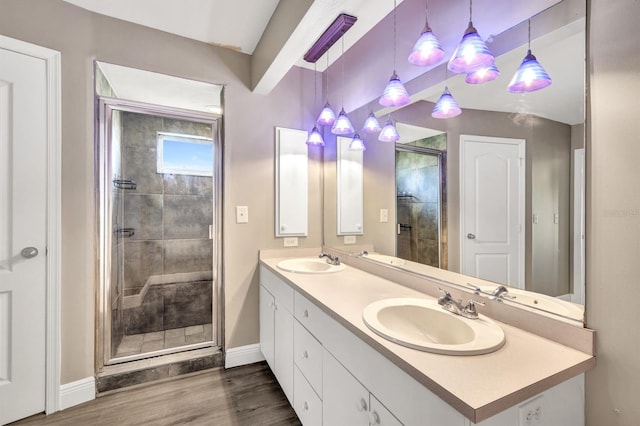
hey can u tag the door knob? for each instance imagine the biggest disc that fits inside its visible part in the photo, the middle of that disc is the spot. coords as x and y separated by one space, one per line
471 236
29 252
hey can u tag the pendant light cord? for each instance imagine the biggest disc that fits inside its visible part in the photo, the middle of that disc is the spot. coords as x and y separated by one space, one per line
529 34
470 10
342 71
315 84
426 14
327 71
394 34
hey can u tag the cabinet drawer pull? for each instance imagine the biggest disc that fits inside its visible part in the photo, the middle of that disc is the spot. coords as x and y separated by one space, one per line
305 406
305 313
305 355
374 418
362 405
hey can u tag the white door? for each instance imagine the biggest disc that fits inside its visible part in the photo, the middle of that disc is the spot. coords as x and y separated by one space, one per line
23 220
492 208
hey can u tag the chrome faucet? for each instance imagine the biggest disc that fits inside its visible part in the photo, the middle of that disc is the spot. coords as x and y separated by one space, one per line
501 292
362 253
331 260
448 303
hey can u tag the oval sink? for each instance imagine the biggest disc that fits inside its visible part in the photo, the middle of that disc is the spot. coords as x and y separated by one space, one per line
422 324
309 265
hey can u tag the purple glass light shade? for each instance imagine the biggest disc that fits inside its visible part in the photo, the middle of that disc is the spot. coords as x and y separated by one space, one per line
483 75
471 54
446 107
327 117
531 76
371 124
395 95
389 133
315 138
343 125
357 144
427 50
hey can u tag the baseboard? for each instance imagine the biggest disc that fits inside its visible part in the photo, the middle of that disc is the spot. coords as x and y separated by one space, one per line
77 392
243 355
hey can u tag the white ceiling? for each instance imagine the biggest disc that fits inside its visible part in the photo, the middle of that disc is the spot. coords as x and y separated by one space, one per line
240 25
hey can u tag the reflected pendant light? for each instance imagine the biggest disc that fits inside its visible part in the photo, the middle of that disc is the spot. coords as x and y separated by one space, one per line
427 50
472 53
357 144
530 76
371 124
342 125
315 138
394 95
327 116
483 75
446 107
389 132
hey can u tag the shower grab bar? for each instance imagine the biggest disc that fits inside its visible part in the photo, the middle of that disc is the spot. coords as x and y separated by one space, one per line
125 232
125 184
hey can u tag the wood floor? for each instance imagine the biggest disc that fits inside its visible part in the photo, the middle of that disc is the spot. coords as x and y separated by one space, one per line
241 396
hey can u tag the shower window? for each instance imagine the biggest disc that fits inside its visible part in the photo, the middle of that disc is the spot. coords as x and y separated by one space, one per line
185 154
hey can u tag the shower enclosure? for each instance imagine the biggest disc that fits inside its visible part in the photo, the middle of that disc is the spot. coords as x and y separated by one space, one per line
158 192
421 201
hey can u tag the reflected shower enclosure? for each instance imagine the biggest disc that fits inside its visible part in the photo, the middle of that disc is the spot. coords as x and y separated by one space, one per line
158 191
421 201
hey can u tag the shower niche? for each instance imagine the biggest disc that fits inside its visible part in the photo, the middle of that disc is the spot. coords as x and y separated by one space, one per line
159 171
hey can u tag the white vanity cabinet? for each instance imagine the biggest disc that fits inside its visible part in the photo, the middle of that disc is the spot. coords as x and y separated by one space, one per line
332 377
276 328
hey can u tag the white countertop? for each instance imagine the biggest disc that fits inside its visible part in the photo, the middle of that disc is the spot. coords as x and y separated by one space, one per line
478 386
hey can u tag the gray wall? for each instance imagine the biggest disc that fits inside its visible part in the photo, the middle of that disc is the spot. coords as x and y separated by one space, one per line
613 212
248 126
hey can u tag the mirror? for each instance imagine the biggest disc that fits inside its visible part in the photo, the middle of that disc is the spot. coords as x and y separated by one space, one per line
551 124
349 189
291 182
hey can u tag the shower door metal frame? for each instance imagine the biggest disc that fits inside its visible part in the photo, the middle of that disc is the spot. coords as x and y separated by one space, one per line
442 196
104 229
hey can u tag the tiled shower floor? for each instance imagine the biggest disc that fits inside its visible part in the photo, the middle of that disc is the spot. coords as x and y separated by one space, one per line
135 344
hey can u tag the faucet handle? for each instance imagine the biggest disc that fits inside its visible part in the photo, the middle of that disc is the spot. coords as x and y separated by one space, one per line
470 309
477 289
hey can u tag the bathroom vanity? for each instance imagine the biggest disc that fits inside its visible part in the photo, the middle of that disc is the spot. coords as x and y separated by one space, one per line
335 370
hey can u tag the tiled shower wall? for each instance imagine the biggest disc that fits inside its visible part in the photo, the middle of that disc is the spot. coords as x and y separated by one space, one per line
170 215
418 207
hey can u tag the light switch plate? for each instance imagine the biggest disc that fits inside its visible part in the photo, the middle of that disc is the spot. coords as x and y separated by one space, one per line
242 214
384 215
291 242
349 239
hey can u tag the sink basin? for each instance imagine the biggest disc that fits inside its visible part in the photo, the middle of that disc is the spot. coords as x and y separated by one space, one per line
422 324
309 265
542 301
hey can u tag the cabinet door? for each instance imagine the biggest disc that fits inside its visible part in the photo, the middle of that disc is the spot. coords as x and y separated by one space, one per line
344 401
379 415
283 349
267 308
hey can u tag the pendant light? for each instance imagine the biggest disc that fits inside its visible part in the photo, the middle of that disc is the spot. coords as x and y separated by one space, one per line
446 107
472 53
371 124
531 76
342 125
389 132
395 94
327 116
315 138
483 75
357 144
427 50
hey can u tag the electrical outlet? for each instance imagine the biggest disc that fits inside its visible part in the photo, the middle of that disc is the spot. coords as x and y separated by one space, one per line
384 215
291 242
242 214
530 413
349 239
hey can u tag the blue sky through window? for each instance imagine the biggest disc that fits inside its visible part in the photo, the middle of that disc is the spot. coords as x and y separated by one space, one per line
185 157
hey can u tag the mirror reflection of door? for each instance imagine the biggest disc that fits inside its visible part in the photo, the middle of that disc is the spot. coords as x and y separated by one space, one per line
492 195
421 201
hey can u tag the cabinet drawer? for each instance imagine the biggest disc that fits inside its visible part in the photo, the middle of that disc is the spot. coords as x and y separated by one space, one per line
278 288
306 403
308 356
311 317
